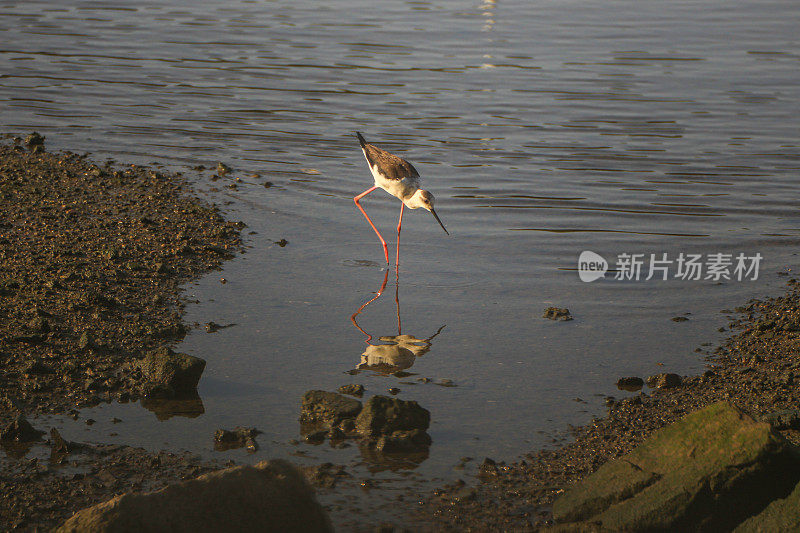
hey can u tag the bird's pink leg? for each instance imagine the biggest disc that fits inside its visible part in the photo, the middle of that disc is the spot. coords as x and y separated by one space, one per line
378 233
399 224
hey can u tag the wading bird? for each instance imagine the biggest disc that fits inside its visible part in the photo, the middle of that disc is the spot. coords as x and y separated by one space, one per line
399 178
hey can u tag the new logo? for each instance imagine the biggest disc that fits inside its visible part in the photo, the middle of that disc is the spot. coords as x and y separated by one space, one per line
591 266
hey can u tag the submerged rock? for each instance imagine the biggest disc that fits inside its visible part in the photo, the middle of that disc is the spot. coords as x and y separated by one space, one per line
352 389
715 466
167 374
20 430
557 313
630 384
325 475
271 496
237 438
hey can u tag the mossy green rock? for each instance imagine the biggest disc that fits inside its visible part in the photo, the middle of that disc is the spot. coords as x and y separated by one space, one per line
780 516
708 471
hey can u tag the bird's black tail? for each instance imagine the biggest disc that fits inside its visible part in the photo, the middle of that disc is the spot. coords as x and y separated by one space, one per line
361 139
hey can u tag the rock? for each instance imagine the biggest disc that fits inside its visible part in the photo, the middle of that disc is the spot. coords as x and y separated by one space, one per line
784 419
33 140
384 416
271 496
327 409
630 383
325 475
222 168
664 381
679 319
715 466
59 448
167 374
20 430
557 313
464 494
39 367
780 515
238 438
57 443
352 390
316 437
212 327
39 325
85 341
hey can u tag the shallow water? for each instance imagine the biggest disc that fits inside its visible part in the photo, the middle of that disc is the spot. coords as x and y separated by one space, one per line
543 128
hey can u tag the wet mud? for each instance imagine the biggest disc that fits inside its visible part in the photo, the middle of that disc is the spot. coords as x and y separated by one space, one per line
91 261
92 258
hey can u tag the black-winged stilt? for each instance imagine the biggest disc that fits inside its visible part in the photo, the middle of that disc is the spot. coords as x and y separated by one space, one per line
399 178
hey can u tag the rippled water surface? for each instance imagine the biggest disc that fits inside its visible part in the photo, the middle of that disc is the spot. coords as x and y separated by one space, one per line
543 128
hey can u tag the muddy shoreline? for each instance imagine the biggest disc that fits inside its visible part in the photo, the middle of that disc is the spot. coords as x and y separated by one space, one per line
92 258
755 370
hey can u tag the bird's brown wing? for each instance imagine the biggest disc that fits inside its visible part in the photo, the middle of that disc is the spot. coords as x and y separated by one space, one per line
391 166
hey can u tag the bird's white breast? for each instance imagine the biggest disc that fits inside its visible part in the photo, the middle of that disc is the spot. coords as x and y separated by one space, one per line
402 189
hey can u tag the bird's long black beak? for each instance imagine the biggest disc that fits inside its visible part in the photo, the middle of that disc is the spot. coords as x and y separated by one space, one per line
439 221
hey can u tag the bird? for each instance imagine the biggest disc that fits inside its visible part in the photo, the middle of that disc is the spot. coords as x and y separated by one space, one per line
399 178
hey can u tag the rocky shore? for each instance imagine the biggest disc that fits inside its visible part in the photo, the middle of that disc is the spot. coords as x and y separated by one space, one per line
755 372
92 258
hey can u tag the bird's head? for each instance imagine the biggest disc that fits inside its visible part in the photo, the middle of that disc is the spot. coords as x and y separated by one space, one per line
425 200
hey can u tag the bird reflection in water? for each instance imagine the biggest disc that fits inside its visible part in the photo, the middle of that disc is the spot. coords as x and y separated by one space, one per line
397 352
